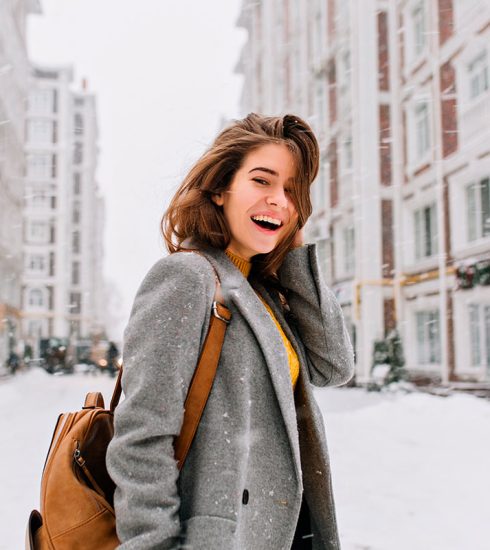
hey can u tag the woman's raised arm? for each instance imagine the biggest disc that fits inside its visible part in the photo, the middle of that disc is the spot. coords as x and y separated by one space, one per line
319 318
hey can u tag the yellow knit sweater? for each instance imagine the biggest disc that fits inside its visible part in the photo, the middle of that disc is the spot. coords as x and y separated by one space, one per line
244 266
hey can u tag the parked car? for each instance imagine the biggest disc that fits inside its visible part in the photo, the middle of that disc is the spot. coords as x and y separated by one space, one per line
56 356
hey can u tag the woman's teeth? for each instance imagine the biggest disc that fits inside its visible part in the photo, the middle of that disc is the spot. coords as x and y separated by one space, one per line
267 222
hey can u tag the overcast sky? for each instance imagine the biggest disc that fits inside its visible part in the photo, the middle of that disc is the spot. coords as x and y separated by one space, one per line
163 75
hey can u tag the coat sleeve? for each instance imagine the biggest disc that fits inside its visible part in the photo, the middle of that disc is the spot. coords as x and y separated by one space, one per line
318 318
161 347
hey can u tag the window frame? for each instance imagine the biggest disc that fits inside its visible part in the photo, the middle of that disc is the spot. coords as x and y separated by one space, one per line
428 339
425 229
475 212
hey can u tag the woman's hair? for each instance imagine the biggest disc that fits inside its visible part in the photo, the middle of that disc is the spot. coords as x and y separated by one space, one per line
192 212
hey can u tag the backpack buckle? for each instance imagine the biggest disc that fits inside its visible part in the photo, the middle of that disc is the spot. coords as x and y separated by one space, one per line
217 314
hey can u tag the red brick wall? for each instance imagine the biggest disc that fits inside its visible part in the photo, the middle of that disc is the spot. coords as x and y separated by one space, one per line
383 61
446 20
449 109
389 315
401 41
331 20
384 144
332 91
387 237
334 186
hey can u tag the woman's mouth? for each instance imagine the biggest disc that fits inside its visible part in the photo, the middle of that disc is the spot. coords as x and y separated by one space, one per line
267 224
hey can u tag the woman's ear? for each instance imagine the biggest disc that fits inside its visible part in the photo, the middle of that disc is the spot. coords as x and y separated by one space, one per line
218 198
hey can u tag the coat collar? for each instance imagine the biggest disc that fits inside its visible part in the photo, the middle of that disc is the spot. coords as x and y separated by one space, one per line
238 291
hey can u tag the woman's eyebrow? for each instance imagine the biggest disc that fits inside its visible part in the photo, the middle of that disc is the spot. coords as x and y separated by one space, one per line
262 169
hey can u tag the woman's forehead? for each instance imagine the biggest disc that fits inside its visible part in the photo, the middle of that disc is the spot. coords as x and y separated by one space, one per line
275 158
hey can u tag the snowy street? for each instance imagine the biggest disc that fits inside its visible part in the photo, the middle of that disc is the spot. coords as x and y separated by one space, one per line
410 471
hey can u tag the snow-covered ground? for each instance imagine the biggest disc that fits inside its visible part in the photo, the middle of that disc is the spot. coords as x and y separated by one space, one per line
411 472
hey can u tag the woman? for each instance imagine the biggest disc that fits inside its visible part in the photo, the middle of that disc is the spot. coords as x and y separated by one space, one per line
257 474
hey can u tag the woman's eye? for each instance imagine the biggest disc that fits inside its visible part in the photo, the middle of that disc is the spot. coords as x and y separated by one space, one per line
261 181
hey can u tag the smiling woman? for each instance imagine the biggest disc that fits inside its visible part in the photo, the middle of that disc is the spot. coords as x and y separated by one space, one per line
257 475
257 207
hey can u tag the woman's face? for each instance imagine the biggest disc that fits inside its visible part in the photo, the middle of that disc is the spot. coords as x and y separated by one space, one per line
257 205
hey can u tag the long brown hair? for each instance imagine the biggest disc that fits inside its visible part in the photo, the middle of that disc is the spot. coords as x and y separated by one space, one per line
192 213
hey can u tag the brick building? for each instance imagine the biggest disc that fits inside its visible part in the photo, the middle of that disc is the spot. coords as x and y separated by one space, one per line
398 92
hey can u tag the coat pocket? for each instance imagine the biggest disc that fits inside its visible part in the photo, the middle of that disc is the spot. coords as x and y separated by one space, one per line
208 533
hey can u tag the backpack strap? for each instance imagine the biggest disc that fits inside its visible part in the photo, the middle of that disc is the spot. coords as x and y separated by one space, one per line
203 378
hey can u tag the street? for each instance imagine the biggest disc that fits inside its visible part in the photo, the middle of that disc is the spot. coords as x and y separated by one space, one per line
410 471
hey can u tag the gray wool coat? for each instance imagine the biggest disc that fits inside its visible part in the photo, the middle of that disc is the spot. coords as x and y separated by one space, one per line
255 437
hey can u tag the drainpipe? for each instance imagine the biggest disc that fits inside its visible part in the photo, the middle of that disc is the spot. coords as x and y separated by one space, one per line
398 175
439 173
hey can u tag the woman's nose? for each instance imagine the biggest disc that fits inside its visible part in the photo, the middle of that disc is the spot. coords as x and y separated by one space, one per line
278 198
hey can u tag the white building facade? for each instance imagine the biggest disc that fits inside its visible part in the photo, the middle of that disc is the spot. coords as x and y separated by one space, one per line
14 81
398 93
64 215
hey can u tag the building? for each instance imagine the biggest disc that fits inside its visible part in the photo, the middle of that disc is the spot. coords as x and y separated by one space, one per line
86 253
64 213
14 81
398 93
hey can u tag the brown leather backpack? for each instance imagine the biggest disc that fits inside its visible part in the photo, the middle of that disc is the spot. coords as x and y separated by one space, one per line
77 492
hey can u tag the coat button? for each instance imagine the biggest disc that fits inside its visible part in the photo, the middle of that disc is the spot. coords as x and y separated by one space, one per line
245 497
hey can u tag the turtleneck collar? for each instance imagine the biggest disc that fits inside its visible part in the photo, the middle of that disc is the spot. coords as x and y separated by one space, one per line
243 265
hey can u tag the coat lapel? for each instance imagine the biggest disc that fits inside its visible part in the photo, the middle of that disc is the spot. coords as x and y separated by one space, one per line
237 290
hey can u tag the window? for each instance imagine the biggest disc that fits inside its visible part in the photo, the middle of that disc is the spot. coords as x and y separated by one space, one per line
479 323
74 329
320 105
36 263
40 131
428 345
52 264
40 165
418 26
425 222
478 209
43 102
78 153
76 212
35 329
478 75
78 124
422 129
36 298
75 273
322 247
38 231
319 190
75 305
349 249
348 153
38 199
75 242
77 183
52 233
345 73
